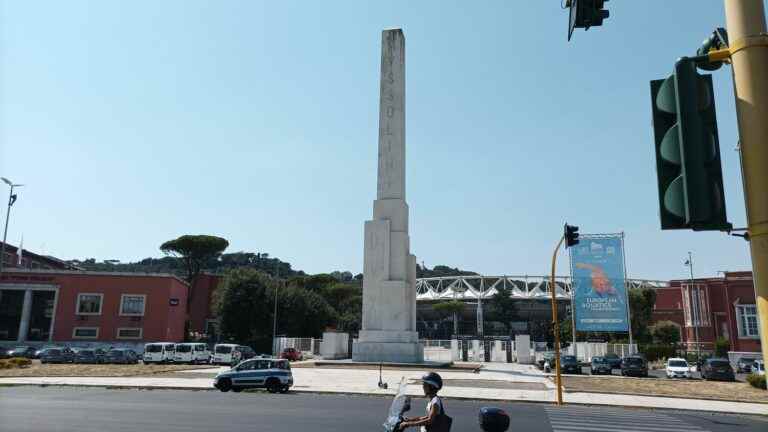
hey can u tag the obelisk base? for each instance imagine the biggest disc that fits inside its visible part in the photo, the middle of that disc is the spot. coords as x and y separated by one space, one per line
377 350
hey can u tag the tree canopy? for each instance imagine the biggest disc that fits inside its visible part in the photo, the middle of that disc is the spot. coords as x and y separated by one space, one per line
641 301
665 332
194 251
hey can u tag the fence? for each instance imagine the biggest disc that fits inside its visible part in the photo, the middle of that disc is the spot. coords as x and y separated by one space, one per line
308 346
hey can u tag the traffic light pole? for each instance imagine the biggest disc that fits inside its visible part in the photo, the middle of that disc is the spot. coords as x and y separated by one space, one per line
556 325
749 59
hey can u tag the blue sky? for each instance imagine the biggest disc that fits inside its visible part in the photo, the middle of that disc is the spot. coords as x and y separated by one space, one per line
135 122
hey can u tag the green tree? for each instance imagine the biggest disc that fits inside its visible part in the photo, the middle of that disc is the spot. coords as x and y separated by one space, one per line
195 251
641 301
303 313
665 332
243 303
347 301
450 308
502 307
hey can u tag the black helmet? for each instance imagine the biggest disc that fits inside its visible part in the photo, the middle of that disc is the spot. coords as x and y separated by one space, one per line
433 379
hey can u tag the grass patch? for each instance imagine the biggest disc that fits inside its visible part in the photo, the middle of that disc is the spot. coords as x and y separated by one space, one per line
36 369
693 389
15 363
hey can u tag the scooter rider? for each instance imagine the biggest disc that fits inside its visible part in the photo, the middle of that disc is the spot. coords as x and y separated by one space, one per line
431 383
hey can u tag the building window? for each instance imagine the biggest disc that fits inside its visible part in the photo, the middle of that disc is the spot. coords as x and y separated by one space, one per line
746 316
85 333
89 304
129 333
132 304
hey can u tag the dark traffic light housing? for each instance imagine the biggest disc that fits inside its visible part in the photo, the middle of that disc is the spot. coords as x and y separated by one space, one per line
571 235
688 167
585 14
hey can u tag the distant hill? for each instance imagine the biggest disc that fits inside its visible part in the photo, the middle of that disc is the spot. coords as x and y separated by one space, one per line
440 271
258 261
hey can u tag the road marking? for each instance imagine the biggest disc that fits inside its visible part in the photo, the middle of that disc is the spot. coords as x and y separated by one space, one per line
580 419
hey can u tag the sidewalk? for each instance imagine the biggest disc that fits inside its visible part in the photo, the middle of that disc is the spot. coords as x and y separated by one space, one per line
499 382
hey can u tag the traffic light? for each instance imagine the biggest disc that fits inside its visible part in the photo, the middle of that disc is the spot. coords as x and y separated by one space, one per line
690 178
585 14
571 235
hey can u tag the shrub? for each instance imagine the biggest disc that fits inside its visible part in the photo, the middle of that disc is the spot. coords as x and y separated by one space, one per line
756 381
665 332
721 347
14 363
657 351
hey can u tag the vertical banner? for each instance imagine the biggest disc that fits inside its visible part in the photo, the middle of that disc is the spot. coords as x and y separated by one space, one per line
599 293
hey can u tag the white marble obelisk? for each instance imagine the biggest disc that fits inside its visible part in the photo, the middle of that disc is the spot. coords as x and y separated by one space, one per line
389 283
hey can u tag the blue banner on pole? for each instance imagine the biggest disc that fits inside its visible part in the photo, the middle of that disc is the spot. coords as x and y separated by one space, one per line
599 293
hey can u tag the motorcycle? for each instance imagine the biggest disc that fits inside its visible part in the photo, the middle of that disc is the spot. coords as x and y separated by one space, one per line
491 419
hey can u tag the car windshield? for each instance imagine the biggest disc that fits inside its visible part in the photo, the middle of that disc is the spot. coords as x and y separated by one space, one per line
153 348
598 360
20 349
85 353
748 361
569 359
115 353
53 351
184 348
223 349
611 356
719 363
678 363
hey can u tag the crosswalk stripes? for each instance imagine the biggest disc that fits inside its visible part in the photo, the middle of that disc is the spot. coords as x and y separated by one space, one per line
585 419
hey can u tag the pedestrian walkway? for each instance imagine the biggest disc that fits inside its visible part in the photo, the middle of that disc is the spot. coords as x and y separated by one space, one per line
581 419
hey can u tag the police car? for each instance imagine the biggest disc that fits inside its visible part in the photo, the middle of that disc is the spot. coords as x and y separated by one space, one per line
273 374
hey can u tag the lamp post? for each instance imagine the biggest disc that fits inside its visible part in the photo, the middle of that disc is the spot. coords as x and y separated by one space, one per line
11 200
695 307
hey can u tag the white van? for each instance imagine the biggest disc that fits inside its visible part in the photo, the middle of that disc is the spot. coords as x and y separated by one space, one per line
222 354
159 352
192 353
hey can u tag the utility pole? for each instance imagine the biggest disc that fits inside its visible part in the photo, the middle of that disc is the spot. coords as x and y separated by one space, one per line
695 312
749 59
274 315
555 324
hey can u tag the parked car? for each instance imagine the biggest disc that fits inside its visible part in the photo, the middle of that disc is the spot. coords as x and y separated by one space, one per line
40 350
546 358
22 351
613 360
570 364
194 353
159 352
759 367
718 369
274 375
745 365
222 353
90 356
57 355
634 366
678 368
291 354
599 366
121 356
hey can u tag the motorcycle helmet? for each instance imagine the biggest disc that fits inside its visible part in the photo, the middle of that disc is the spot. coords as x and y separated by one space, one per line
433 379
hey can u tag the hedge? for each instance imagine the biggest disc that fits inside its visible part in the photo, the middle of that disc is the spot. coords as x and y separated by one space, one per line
756 381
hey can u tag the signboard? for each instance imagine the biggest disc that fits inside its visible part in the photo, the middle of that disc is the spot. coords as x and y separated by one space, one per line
599 293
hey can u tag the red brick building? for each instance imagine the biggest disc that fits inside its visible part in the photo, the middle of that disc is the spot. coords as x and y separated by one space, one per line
713 308
78 306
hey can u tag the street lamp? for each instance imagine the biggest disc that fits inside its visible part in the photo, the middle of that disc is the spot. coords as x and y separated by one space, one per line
695 309
11 200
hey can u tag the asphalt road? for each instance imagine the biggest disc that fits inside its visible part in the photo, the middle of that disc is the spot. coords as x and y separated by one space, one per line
62 409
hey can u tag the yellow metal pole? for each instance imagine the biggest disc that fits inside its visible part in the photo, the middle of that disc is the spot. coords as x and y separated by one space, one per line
748 47
556 325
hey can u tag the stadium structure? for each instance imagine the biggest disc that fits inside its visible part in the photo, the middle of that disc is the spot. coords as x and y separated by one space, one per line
532 311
